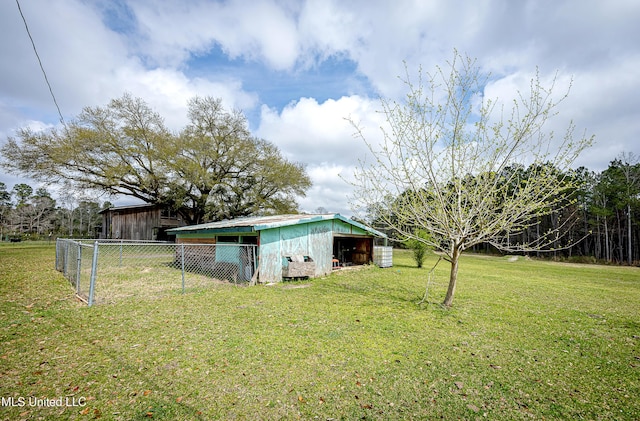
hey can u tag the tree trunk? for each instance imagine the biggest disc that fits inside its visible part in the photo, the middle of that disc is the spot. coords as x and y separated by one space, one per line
620 238
598 245
71 224
453 277
629 249
554 227
586 241
538 237
607 244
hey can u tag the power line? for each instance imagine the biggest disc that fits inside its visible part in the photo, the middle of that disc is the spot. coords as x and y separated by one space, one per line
46 79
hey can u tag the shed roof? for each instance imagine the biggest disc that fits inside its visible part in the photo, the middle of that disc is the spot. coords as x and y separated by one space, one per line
258 223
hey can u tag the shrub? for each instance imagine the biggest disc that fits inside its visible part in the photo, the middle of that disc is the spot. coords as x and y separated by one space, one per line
419 245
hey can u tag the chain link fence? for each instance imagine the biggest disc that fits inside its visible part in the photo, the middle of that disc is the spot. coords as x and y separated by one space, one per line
104 271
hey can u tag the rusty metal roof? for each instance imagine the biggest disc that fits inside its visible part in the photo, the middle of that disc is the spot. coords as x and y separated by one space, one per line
258 223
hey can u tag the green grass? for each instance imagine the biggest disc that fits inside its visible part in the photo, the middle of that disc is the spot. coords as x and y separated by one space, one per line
524 340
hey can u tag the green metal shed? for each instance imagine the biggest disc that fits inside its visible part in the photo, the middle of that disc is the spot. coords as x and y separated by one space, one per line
322 242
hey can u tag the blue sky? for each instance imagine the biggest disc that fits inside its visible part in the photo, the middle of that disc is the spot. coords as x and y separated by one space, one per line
298 68
333 77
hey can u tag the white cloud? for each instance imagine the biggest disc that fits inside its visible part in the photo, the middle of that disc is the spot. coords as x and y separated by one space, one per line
75 71
320 133
320 136
88 64
329 189
173 31
168 92
91 57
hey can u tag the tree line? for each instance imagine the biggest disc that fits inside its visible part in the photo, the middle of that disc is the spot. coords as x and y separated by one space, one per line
596 220
599 218
31 214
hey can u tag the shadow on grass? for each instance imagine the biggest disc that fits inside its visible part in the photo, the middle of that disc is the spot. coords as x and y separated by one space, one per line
389 286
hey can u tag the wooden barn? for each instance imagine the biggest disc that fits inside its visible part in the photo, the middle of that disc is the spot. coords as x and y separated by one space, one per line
139 222
291 246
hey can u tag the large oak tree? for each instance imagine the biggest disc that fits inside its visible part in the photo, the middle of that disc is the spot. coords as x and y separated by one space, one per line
212 169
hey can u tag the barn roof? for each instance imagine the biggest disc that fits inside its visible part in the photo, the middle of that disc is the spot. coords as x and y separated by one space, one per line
258 223
129 207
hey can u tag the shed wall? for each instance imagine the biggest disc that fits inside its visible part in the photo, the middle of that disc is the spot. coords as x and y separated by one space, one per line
314 240
270 263
321 246
342 227
319 239
196 239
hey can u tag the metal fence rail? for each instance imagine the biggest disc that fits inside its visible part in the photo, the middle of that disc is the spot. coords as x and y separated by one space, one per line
105 271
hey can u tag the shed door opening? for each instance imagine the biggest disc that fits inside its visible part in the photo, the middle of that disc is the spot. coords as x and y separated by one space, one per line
351 251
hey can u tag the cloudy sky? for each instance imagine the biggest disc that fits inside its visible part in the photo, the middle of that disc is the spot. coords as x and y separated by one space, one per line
298 68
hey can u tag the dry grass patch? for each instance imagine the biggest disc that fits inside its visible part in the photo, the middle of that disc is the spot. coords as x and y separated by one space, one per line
114 284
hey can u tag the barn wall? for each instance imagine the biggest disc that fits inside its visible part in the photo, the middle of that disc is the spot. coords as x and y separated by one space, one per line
106 225
137 223
134 225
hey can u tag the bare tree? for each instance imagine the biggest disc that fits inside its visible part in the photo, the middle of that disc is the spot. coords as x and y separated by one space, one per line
464 169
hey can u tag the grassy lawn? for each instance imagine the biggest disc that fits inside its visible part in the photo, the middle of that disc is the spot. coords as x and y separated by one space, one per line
524 340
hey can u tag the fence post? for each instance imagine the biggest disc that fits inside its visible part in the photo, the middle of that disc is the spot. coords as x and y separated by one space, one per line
57 242
79 268
94 268
120 261
65 268
182 264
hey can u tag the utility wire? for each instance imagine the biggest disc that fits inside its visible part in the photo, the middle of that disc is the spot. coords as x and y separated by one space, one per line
40 62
